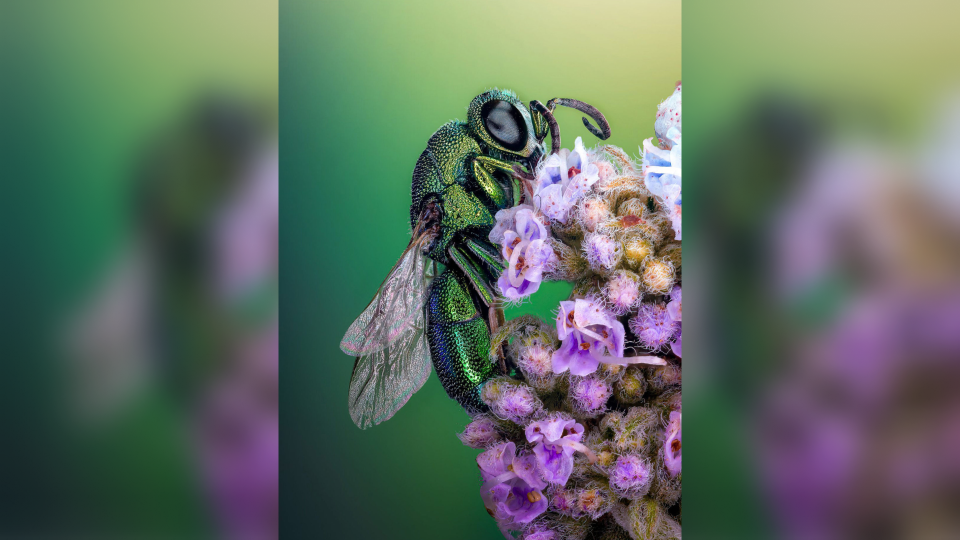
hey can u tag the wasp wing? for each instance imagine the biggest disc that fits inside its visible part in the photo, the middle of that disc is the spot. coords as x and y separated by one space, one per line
398 302
388 339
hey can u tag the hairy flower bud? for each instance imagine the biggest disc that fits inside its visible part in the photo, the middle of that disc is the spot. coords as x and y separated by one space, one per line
648 520
622 291
480 433
636 249
631 476
602 251
591 212
511 400
653 326
631 386
589 394
658 276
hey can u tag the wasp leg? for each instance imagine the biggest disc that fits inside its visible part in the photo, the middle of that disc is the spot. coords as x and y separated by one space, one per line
459 340
480 277
483 169
485 166
487 254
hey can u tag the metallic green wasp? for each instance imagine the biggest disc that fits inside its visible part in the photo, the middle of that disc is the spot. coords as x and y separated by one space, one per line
468 172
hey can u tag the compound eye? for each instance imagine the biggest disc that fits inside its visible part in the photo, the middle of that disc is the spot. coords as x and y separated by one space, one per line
504 123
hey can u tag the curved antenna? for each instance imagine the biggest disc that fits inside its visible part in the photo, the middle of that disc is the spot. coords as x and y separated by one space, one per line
603 133
552 122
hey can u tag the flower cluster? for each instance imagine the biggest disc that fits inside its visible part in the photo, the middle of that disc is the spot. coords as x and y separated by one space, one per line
582 438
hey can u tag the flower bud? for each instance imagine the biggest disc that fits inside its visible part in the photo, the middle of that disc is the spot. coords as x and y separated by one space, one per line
636 249
595 500
631 476
631 387
622 291
653 326
480 433
511 400
569 263
591 212
671 253
648 520
658 276
589 395
602 251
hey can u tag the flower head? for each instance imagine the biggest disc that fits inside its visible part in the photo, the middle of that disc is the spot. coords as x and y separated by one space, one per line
526 249
590 335
564 179
672 452
653 326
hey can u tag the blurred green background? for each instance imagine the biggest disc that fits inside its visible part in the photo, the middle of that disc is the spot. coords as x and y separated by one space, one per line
765 83
363 86
86 87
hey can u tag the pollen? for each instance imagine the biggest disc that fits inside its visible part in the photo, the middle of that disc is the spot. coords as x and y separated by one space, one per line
534 496
572 171
585 346
675 445
570 317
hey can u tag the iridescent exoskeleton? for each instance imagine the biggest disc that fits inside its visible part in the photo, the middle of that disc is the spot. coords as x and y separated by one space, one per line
468 172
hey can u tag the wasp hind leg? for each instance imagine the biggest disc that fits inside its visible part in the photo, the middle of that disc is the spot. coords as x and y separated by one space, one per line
459 339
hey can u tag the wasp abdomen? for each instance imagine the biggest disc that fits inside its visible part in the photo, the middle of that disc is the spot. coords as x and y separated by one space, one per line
459 340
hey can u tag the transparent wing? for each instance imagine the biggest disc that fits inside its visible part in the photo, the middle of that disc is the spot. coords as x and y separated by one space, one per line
388 339
384 380
394 308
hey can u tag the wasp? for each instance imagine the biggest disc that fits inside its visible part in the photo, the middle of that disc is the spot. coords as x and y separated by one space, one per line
468 172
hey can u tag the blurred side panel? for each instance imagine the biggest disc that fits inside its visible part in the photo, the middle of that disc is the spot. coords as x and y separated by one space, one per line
139 217
823 260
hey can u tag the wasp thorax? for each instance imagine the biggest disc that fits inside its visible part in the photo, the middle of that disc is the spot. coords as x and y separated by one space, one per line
658 276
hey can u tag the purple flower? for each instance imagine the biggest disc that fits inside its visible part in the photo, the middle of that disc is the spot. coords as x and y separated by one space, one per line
480 433
556 440
602 252
516 403
563 501
539 531
675 307
588 332
564 179
653 326
671 447
630 476
512 487
526 250
677 345
590 394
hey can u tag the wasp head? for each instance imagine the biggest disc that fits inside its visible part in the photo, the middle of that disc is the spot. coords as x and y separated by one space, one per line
501 121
